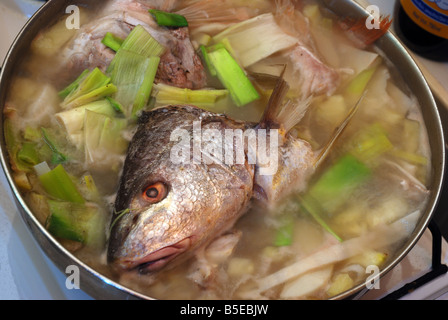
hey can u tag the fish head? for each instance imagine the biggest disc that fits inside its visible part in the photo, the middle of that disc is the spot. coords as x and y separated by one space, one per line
165 211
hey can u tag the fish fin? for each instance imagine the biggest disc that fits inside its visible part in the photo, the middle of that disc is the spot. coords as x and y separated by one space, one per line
275 102
338 131
280 114
358 32
292 112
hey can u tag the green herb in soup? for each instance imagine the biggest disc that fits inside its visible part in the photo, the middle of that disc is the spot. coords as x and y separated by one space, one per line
219 149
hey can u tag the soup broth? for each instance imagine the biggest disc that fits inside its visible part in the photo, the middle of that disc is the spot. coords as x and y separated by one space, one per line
312 245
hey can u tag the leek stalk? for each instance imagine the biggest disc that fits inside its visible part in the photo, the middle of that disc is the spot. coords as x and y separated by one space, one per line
77 222
58 184
141 42
133 75
57 157
169 95
167 19
74 85
233 77
255 39
28 154
337 184
94 86
111 41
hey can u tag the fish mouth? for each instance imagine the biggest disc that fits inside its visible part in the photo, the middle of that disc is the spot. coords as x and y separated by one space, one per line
159 259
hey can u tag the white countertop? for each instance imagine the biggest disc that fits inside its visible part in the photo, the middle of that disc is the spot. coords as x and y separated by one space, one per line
26 273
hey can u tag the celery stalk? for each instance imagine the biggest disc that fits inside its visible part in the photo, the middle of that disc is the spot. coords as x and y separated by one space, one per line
58 184
233 78
112 41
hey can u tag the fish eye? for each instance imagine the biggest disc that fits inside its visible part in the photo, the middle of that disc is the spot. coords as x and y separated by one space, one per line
155 192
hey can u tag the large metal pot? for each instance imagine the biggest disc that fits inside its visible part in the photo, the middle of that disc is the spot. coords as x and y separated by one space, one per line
100 286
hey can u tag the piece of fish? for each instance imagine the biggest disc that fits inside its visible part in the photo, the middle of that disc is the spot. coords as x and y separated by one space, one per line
173 210
179 66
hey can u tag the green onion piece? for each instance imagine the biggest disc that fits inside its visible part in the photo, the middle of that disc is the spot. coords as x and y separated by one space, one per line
77 222
74 85
57 157
58 184
28 154
233 78
95 86
169 95
112 41
166 19
140 41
